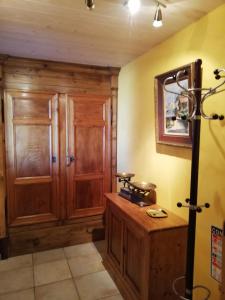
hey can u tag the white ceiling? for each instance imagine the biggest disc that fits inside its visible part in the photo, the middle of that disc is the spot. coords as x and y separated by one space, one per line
64 30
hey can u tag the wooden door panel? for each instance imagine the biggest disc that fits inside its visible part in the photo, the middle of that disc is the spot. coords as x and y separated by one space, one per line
32 157
133 268
32 150
29 108
115 240
92 112
89 150
89 140
33 199
88 193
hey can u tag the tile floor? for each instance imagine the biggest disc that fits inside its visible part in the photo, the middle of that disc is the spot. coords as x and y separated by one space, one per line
71 273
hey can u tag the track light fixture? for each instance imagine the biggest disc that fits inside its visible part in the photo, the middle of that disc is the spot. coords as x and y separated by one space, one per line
157 22
90 4
133 6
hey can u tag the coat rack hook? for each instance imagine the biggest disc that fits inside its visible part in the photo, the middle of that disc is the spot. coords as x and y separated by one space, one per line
190 93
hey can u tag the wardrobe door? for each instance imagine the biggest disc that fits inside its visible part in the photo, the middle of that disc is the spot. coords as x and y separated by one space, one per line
89 154
32 157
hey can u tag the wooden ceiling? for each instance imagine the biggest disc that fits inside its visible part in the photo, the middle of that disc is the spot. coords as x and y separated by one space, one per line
64 30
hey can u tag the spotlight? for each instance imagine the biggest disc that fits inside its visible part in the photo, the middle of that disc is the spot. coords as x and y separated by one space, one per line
90 4
157 22
133 6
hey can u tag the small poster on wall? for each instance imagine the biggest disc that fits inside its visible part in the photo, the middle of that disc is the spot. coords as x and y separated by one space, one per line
216 253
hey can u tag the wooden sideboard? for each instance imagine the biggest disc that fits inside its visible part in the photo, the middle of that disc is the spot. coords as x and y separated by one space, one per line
144 254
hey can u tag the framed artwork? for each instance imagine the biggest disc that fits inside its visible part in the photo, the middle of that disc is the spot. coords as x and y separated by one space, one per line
171 128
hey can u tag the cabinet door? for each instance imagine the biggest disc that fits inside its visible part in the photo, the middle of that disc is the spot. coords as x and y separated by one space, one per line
115 238
89 154
32 157
134 260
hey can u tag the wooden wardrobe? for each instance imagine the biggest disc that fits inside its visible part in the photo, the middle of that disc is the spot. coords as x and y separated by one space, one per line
60 141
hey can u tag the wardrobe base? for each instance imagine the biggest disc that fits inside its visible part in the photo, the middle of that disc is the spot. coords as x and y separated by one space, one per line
29 239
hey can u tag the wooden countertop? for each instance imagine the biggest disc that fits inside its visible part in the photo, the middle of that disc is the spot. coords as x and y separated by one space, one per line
139 215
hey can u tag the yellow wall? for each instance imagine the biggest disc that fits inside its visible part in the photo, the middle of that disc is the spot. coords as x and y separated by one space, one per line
169 167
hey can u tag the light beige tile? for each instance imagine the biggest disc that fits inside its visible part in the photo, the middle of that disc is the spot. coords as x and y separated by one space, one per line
82 265
62 290
21 295
95 286
79 250
16 262
51 272
15 280
47 256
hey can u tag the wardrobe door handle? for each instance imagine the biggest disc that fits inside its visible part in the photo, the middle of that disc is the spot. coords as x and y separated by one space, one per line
69 160
72 158
54 159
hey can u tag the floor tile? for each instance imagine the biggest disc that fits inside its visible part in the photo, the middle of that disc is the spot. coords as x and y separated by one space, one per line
82 265
15 280
51 272
79 250
21 295
62 290
47 256
12 263
95 286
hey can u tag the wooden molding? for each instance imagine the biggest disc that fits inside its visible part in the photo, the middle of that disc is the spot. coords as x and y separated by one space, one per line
114 88
57 65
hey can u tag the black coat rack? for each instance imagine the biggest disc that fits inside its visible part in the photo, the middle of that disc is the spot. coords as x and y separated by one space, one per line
196 96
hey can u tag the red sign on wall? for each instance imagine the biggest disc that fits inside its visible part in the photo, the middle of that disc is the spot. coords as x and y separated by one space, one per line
216 253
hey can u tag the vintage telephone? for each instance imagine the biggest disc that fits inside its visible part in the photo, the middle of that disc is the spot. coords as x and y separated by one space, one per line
141 193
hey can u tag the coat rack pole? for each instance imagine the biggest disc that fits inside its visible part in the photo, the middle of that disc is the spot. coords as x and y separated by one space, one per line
194 184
